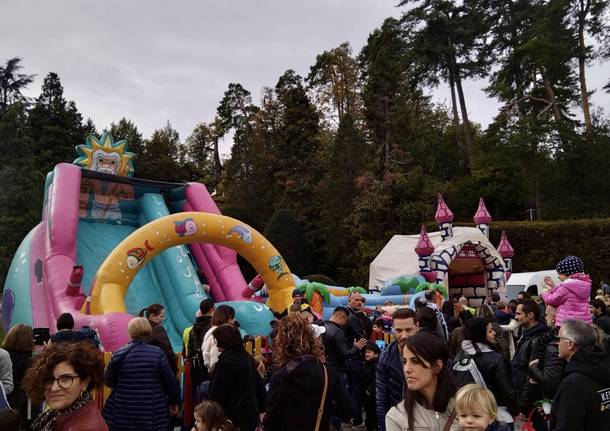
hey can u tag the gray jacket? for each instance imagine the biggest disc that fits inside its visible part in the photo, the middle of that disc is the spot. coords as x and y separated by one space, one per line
6 371
424 419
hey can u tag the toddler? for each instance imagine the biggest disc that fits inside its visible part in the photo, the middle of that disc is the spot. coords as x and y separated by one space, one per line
209 416
371 355
571 296
477 410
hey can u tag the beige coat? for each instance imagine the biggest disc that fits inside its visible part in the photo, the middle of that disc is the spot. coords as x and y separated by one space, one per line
424 419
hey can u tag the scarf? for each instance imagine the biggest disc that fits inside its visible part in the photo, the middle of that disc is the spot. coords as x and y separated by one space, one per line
48 420
470 348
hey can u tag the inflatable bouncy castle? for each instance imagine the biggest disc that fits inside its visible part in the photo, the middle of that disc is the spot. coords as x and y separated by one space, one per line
462 259
110 244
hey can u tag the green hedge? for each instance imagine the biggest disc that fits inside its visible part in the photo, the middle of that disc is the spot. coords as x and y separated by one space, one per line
540 245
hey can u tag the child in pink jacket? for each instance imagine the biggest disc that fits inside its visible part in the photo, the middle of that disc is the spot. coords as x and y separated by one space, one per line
571 296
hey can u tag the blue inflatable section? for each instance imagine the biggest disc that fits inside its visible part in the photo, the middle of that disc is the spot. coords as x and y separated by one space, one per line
169 279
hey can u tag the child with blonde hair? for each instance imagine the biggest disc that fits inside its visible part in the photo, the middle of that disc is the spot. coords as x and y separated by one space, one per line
477 410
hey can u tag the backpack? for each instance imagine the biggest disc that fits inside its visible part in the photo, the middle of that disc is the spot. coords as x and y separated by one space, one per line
195 356
464 370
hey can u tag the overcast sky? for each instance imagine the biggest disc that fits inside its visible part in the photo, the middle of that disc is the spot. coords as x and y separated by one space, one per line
157 60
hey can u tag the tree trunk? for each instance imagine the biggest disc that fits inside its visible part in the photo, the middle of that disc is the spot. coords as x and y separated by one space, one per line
537 198
386 133
465 121
217 163
582 55
551 96
456 117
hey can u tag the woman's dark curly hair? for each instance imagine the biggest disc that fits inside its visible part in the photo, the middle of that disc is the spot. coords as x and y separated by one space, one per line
86 360
294 339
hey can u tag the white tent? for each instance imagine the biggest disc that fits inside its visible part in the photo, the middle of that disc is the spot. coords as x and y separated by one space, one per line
398 257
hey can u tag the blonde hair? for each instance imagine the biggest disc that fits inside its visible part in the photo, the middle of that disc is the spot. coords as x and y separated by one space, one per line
139 328
475 398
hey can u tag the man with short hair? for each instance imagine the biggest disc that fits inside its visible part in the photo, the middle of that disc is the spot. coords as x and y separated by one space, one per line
441 327
359 327
336 348
599 313
66 333
582 401
523 295
493 300
389 382
297 296
528 317
193 339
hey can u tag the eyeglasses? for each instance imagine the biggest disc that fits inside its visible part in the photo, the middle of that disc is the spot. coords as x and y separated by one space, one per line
64 381
564 338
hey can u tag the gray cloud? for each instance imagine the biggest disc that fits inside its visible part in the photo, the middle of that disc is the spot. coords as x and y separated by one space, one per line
153 61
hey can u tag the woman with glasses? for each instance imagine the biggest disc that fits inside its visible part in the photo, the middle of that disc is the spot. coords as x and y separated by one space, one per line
144 388
63 375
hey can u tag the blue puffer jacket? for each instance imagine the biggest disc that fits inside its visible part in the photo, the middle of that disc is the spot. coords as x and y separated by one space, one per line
143 387
389 382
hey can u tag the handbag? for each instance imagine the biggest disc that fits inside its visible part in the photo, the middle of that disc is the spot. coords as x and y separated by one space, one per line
322 400
529 425
449 422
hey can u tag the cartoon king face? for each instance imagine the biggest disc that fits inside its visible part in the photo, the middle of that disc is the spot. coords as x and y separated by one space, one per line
186 227
106 163
106 156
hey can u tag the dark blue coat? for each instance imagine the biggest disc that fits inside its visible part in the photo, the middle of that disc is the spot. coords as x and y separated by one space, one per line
389 382
143 387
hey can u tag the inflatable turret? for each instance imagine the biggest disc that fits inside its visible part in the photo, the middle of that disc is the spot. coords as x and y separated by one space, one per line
444 218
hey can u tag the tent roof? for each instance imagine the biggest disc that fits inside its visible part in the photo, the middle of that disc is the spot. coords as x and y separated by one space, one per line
398 257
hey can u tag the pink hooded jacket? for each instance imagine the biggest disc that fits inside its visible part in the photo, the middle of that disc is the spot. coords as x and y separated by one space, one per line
571 297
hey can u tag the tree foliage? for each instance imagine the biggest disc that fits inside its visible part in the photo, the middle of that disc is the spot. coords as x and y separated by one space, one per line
333 165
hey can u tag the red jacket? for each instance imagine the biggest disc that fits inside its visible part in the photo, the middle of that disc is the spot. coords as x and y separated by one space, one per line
87 418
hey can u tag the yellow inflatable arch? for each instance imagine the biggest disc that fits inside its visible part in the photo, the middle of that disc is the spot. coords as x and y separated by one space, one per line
121 266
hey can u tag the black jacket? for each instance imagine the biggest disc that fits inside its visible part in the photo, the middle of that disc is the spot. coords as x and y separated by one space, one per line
527 393
336 348
295 393
238 388
18 399
195 340
498 426
389 382
603 322
582 402
358 326
193 354
547 372
496 373
160 339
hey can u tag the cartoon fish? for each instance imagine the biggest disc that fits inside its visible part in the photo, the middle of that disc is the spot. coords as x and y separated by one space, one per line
242 233
276 264
137 255
185 227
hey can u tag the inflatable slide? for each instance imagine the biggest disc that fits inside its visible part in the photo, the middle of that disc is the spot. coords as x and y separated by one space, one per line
109 245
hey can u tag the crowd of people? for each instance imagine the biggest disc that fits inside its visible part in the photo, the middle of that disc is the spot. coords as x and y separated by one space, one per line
539 363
